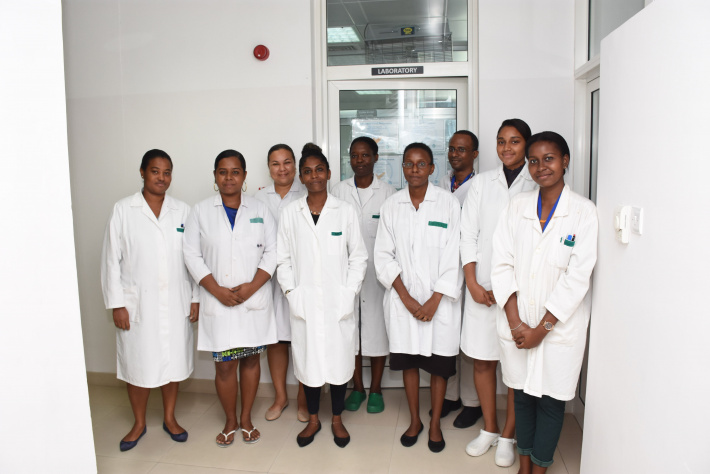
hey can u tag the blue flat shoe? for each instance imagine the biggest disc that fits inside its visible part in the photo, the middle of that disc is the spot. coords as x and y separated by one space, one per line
127 445
180 437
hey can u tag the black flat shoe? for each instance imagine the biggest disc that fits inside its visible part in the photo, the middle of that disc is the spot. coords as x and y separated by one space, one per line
180 437
340 442
468 417
448 407
437 446
128 445
306 440
409 441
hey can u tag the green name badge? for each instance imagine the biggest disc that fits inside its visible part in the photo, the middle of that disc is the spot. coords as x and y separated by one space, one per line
443 225
375 216
180 229
257 220
336 233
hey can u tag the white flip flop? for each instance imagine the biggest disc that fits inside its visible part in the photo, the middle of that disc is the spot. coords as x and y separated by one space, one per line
249 432
225 444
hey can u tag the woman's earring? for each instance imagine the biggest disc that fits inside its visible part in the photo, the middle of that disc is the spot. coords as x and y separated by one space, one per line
214 186
244 187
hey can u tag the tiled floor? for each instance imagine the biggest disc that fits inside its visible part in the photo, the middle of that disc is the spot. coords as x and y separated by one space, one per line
375 446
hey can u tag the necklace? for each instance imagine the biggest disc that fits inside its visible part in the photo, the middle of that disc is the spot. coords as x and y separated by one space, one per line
315 213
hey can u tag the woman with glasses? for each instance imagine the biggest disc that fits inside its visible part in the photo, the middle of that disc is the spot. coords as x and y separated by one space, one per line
417 261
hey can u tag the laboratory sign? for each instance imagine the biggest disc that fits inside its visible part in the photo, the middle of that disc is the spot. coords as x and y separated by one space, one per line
391 71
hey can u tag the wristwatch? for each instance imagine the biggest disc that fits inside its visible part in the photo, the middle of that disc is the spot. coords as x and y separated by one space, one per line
547 325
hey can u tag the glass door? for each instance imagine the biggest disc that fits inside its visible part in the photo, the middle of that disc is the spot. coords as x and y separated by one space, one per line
395 113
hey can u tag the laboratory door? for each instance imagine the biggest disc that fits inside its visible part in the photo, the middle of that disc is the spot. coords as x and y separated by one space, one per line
394 113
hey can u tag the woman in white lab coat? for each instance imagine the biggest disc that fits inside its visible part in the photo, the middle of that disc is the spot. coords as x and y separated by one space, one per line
322 260
230 249
417 260
145 282
544 250
285 190
488 197
367 193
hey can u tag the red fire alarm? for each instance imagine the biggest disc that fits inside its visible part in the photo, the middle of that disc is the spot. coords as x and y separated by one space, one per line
261 52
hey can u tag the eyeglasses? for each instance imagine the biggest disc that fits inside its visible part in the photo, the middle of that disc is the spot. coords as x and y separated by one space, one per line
420 164
460 149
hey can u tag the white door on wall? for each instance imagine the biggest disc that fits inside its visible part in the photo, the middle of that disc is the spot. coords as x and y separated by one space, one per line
395 113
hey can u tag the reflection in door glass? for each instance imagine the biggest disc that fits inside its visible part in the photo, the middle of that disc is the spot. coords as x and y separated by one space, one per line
394 119
396 31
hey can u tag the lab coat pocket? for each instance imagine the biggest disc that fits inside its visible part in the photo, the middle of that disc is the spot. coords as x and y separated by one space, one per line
336 243
131 297
259 300
502 327
372 224
294 304
186 298
436 234
347 303
560 255
209 305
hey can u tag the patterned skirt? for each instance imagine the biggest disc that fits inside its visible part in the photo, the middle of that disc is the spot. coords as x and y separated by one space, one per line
237 353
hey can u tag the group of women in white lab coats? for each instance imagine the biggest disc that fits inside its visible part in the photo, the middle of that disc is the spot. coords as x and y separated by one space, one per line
526 298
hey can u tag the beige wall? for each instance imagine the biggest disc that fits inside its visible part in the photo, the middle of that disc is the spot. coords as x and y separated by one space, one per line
179 76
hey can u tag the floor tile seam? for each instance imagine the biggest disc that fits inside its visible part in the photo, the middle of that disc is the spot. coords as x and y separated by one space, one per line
562 458
283 445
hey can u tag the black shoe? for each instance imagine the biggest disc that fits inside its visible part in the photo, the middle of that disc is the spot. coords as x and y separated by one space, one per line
437 446
409 441
340 442
306 440
449 406
468 417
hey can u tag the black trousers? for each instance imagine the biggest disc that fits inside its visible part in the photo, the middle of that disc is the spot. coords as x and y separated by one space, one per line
337 398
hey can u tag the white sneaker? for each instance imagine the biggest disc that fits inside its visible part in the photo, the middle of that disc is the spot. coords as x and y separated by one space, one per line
482 443
505 453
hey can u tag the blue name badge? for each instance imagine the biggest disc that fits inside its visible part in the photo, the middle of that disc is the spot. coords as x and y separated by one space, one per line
336 233
257 220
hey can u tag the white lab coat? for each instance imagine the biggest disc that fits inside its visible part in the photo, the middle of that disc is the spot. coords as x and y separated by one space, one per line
422 247
486 200
547 274
373 334
232 256
272 199
322 267
142 269
461 191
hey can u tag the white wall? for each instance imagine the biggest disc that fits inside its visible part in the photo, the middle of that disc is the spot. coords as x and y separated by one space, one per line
526 69
45 424
648 357
179 76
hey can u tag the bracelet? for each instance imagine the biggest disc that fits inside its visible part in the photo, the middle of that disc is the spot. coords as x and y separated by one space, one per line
516 327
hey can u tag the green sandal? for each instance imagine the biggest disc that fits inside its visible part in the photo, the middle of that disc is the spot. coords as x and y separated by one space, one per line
375 403
353 402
